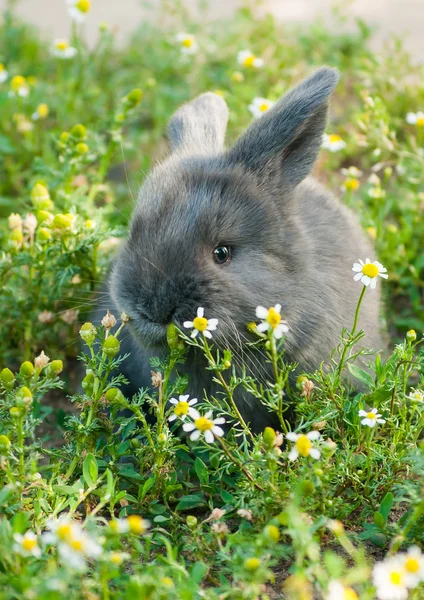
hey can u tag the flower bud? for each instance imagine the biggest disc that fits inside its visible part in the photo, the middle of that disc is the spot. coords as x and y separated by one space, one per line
27 369
191 521
135 443
15 221
44 216
108 320
7 379
172 337
16 238
111 346
79 132
5 444
272 533
124 317
81 148
156 379
269 437
308 488
115 396
63 221
41 361
64 136
40 197
15 412
252 564
43 235
55 367
24 397
336 527
88 383
88 333
237 77
411 335
133 98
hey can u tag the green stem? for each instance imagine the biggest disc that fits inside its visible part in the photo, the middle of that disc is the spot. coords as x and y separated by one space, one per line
239 464
279 383
351 334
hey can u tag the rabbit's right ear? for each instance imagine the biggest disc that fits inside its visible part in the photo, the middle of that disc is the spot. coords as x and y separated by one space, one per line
280 147
198 127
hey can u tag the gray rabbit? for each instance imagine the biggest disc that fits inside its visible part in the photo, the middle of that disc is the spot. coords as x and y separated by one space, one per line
228 230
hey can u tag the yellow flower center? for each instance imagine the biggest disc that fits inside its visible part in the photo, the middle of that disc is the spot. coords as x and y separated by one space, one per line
203 424
181 408
351 184
136 524
350 594
76 545
63 531
303 445
187 42
412 565
29 544
200 323
273 317
42 110
62 45
116 558
420 122
17 83
395 578
370 270
83 5
249 60
371 415
263 107
1 67
334 138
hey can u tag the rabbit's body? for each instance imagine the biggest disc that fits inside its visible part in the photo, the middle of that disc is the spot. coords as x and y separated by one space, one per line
289 241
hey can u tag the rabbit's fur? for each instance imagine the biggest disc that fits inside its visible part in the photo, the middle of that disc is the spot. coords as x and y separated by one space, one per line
292 242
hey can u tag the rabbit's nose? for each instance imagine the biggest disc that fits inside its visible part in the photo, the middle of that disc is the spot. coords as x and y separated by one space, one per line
162 315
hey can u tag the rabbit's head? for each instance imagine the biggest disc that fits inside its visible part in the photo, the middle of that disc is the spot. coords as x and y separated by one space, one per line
216 228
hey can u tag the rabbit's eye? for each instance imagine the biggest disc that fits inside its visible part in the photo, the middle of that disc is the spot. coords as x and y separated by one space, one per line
222 254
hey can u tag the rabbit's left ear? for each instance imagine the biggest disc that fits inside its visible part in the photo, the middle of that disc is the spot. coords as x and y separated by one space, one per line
198 127
281 146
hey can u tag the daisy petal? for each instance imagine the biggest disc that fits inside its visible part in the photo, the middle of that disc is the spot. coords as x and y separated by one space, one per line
195 332
195 435
219 421
262 327
261 312
209 436
315 453
217 431
200 312
189 426
207 334
291 436
313 435
293 454
188 324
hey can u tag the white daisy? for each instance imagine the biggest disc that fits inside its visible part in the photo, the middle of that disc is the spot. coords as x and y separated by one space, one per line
303 445
188 43
27 544
19 86
333 142
351 172
376 192
374 180
413 564
371 417
271 319
416 396
78 9
3 73
206 426
201 324
183 408
338 591
246 58
62 49
389 579
75 550
415 118
259 106
368 272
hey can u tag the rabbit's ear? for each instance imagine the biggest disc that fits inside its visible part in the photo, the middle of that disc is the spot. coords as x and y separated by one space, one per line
198 127
282 145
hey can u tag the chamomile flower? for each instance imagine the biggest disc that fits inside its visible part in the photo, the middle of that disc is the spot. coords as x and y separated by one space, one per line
351 172
78 9
77 548
19 86
3 73
368 272
204 425
338 591
182 408
370 417
259 106
333 142
271 319
201 325
246 58
415 118
390 580
41 112
62 49
27 544
413 564
187 43
303 445
119 526
376 192
416 396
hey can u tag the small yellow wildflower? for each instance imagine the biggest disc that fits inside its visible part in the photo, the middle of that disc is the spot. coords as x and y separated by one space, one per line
137 525
271 320
247 59
204 425
369 272
259 106
78 9
19 86
187 42
201 325
182 407
62 49
41 112
27 544
303 445
333 142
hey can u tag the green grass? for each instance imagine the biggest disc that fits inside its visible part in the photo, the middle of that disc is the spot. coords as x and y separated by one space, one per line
235 518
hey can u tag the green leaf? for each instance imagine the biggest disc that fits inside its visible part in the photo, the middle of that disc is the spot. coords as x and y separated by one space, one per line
142 491
20 522
362 375
227 497
188 502
90 470
198 572
386 505
379 520
201 471
160 519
